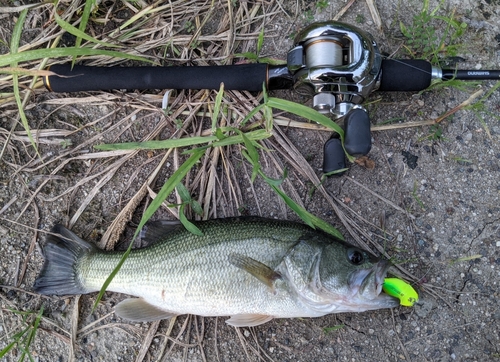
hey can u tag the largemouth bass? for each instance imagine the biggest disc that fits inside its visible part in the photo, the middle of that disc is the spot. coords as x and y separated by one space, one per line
252 269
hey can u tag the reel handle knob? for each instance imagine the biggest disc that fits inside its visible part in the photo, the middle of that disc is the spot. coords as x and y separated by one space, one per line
333 157
358 137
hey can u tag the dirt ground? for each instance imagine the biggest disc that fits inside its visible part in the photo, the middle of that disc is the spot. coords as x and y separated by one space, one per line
431 202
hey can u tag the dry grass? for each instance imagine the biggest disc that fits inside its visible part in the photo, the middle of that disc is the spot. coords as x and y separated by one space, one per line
180 32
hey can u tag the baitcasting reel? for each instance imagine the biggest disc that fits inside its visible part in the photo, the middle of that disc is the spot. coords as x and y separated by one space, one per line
335 63
339 66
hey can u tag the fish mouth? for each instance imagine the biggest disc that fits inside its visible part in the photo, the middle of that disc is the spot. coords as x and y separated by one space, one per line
367 284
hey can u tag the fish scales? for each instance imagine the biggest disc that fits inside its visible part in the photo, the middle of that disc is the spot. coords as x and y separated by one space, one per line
180 269
252 269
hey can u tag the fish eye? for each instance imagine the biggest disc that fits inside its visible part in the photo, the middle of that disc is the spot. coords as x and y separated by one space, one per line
355 256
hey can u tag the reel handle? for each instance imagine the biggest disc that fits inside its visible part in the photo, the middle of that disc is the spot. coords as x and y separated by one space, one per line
357 141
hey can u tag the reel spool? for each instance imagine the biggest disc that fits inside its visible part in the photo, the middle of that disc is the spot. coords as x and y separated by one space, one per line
337 64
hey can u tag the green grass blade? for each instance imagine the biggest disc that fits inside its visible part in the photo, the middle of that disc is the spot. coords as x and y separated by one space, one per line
31 336
310 219
218 141
183 193
303 214
325 226
157 145
7 348
29 55
16 33
252 113
332 329
272 61
252 155
79 33
247 55
192 228
167 188
305 112
260 41
218 101
308 113
256 135
14 47
89 4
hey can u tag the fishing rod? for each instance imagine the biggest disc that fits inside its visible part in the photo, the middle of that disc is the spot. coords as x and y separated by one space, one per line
336 64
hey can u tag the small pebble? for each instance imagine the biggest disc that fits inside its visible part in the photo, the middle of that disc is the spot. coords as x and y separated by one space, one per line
423 307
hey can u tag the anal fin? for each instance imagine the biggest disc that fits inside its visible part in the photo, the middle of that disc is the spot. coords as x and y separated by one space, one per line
138 310
248 320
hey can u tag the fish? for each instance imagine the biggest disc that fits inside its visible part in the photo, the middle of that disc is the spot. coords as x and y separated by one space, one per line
251 269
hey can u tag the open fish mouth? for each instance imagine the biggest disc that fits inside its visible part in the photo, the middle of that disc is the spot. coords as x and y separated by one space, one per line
367 283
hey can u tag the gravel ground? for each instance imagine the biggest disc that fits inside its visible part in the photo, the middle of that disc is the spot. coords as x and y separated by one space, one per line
434 192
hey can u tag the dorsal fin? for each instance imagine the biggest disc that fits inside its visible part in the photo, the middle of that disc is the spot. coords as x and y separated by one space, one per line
155 231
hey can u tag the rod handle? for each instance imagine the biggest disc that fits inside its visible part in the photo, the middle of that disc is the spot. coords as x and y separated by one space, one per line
250 77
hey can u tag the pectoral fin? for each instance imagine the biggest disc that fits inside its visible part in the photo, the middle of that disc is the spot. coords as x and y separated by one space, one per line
138 310
248 320
259 270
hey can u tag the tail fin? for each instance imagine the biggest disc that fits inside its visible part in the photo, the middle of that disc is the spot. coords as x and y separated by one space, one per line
62 254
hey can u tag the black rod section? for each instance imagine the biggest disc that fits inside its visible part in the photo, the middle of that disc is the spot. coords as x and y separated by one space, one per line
471 74
405 75
250 77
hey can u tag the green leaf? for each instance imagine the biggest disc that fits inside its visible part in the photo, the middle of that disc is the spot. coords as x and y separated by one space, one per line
14 47
310 219
192 228
301 212
7 348
218 101
247 55
195 205
325 226
31 335
157 145
89 4
272 61
252 113
253 156
275 181
219 134
79 33
260 40
7 59
256 135
183 192
332 329
331 173
404 30
305 112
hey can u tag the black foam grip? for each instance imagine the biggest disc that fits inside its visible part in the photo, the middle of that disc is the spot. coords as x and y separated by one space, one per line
250 77
405 75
